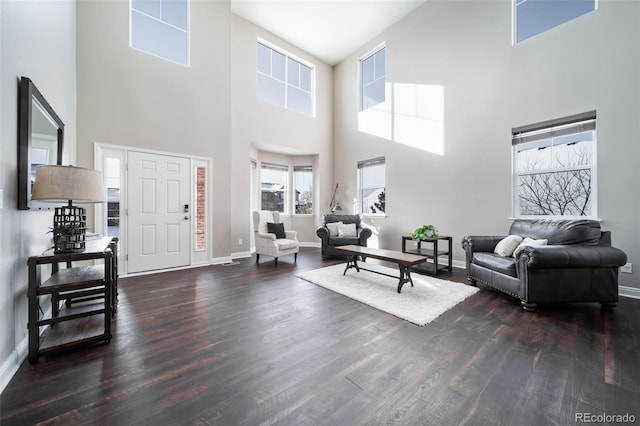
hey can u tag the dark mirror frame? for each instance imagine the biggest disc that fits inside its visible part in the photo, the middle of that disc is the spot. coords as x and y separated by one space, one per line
28 93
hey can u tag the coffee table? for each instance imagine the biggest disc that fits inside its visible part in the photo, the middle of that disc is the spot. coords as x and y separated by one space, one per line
403 260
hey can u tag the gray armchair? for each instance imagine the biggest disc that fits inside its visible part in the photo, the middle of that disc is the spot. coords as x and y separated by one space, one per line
578 263
331 240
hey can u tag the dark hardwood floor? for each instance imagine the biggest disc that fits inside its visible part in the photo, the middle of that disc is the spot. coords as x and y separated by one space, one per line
252 344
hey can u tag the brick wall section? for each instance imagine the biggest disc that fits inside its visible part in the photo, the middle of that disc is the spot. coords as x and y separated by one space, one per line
200 208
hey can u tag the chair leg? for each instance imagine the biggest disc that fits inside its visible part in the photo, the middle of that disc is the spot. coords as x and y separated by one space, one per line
257 257
295 257
276 260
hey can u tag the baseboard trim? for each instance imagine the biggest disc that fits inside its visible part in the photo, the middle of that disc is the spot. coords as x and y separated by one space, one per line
631 292
10 367
240 255
311 244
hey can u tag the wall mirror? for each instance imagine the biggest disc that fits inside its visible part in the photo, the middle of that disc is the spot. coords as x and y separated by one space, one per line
40 140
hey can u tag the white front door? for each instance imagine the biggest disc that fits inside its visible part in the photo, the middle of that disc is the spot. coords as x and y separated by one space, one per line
158 211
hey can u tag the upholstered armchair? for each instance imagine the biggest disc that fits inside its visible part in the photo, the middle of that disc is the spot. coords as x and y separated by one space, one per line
271 238
548 260
333 235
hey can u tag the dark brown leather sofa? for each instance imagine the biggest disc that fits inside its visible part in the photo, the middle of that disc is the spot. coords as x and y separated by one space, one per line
329 243
577 265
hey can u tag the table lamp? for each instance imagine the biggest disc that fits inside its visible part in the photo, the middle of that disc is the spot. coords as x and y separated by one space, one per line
72 184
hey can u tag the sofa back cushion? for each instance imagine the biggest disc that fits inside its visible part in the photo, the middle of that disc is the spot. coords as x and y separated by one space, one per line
558 231
344 218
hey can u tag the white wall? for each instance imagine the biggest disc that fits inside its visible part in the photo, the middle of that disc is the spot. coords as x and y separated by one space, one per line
37 41
270 128
127 97
490 87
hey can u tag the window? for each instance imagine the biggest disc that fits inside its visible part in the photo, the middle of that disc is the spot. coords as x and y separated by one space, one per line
273 187
371 190
112 180
303 189
160 27
201 209
533 17
284 80
372 78
554 167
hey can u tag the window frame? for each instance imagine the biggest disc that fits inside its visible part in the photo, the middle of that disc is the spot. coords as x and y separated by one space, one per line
287 57
361 84
187 32
360 198
293 189
514 16
285 196
553 129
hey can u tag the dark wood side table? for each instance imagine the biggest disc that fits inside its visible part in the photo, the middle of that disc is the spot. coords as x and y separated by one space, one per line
432 253
75 284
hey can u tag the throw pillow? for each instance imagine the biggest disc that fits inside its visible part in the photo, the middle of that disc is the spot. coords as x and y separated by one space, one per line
333 228
276 228
347 230
507 245
529 242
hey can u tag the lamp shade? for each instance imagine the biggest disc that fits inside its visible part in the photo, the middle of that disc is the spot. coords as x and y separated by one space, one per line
64 183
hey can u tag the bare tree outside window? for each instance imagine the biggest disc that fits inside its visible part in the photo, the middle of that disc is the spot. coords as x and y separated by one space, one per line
554 175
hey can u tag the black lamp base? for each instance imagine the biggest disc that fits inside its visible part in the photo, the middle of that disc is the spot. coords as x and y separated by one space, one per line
69 229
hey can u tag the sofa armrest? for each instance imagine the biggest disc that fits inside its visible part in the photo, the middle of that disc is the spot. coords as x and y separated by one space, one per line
323 233
571 256
473 243
363 235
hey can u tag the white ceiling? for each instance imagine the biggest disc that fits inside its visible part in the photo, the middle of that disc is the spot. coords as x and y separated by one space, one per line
328 29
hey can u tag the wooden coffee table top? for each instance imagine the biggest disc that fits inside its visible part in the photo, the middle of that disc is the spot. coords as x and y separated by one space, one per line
405 259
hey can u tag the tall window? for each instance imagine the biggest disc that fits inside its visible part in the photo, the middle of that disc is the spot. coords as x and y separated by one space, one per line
200 208
112 179
554 167
273 187
533 17
303 189
371 189
160 27
284 80
372 78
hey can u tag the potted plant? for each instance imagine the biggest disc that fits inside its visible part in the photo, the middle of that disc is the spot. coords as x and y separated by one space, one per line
424 233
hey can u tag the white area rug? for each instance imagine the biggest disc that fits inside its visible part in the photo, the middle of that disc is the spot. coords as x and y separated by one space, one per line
428 299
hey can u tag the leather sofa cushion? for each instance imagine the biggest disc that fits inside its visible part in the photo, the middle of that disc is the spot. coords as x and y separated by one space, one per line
343 241
559 231
344 218
502 264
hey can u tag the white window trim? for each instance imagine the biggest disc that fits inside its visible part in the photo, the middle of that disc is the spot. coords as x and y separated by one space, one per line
360 60
360 166
287 185
187 31
545 127
514 22
293 189
306 63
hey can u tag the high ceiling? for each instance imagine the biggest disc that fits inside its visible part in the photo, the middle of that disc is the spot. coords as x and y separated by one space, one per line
328 29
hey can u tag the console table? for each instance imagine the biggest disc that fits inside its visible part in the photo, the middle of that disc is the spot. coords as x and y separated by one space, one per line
73 284
432 253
